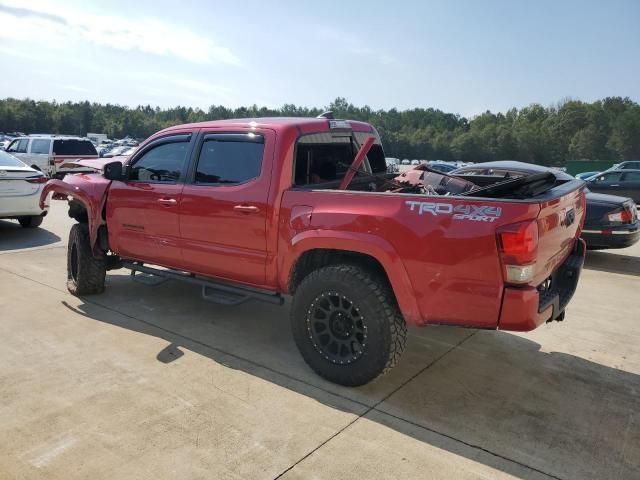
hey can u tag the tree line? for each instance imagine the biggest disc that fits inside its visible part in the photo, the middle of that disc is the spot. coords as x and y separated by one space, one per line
607 129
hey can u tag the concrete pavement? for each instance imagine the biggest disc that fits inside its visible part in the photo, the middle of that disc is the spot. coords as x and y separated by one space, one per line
153 382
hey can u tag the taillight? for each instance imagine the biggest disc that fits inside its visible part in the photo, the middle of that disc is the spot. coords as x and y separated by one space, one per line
623 216
518 245
37 180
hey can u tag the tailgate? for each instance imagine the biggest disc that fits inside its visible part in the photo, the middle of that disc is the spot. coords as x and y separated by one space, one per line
559 224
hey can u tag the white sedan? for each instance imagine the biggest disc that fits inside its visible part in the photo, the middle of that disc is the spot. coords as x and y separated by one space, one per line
20 188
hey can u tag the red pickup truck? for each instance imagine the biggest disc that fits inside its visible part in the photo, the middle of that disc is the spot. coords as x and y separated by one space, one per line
262 208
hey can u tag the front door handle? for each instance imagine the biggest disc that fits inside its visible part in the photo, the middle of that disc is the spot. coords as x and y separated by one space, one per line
614 185
167 201
246 208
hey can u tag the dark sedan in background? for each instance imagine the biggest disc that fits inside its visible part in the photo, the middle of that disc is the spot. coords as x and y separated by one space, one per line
611 221
625 183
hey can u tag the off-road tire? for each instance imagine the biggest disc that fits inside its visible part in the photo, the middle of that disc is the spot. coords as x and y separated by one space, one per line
85 272
386 331
31 221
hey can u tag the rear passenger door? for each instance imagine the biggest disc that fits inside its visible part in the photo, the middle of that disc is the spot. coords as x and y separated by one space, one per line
224 206
631 186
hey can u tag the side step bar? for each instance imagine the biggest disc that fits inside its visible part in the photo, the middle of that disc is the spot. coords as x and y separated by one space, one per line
217 292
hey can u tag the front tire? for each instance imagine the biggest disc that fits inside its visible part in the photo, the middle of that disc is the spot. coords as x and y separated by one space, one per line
85 272
31 222
347 325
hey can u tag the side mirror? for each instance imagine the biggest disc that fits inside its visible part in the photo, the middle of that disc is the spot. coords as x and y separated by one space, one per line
113 171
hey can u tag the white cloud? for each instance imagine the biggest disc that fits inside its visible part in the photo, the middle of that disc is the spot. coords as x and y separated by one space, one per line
38 23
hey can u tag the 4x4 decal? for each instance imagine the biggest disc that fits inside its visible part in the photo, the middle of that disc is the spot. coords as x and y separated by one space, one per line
474 213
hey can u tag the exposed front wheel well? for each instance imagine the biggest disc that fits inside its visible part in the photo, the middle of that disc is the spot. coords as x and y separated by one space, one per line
312 260
78 211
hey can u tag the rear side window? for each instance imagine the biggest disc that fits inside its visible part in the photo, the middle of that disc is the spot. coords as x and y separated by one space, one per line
73 147
161 164
40 145
229 162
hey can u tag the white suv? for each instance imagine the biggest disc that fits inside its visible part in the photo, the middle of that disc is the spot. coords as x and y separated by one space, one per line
48 153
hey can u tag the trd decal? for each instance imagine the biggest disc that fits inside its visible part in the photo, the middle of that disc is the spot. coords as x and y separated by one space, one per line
474 213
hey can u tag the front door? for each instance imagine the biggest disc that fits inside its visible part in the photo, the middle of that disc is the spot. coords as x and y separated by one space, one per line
224 206
607 182
143 210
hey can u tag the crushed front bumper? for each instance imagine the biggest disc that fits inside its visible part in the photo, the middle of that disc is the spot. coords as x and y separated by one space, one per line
524 309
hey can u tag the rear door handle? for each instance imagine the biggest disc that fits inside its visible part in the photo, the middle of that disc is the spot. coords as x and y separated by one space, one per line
167 201
246 208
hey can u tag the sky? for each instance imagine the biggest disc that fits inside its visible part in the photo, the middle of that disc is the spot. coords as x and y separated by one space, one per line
460 56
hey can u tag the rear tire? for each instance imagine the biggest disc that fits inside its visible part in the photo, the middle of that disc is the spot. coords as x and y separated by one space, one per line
347 324
85 272
31 222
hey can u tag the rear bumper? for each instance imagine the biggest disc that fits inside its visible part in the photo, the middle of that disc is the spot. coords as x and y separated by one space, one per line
524 309
22 206
618 237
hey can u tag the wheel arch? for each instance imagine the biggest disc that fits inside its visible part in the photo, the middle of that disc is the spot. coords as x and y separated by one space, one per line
84 205
312 250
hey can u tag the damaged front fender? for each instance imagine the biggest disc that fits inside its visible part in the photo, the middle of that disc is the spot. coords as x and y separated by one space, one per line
90 190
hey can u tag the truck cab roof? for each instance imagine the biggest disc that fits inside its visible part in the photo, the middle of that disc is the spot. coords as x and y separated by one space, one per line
303 124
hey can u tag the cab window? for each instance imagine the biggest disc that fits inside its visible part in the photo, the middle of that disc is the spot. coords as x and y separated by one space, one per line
164 163
229 159
326 157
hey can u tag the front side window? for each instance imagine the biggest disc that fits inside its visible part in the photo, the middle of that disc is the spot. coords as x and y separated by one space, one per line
18 146
632 177
162 164
609 177
40 146
229 162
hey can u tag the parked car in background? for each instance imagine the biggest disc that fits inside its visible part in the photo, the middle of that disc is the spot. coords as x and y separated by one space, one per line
392 165
443 167
415 162
406 162
117 151
585 175
47 153
625 183
628 165
611 221
20 189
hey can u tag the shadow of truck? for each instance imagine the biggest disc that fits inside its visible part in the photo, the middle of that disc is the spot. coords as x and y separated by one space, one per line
486 395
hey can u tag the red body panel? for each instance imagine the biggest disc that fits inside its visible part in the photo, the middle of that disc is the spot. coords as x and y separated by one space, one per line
443 269
143 222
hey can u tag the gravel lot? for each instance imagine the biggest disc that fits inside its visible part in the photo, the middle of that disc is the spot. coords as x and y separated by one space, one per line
153 382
